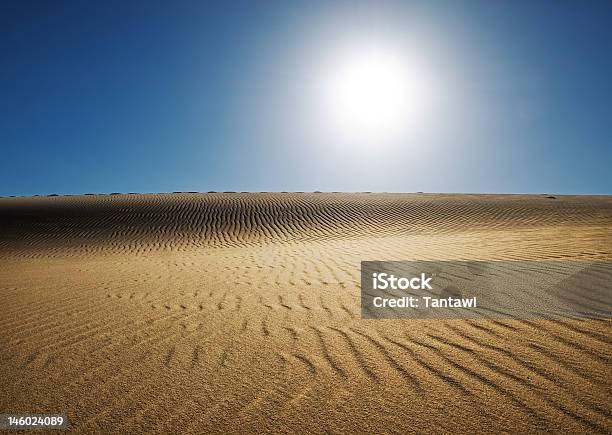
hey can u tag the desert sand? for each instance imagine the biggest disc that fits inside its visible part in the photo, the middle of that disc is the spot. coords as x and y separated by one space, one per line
240 312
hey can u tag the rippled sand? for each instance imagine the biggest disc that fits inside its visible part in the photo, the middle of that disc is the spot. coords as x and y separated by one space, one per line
229 312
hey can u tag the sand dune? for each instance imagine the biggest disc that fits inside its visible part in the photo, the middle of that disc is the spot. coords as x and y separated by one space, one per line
236 312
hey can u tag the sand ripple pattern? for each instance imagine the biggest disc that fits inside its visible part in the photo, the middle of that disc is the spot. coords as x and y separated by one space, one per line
144 223
239 313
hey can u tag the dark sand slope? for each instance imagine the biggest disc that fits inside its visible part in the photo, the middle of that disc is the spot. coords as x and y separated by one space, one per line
240 312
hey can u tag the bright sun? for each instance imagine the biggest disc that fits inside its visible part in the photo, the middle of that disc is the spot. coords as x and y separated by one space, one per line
373 94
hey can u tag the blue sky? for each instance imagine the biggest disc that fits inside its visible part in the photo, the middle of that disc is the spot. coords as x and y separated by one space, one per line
130 96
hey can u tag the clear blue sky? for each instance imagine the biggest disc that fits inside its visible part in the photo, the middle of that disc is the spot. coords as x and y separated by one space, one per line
146 96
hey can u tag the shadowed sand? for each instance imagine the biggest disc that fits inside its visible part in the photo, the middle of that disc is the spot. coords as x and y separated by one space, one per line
240 313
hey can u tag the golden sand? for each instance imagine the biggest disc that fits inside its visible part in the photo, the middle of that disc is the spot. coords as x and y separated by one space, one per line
238 312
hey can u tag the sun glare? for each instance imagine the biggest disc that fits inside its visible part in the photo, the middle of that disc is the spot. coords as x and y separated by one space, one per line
373 94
